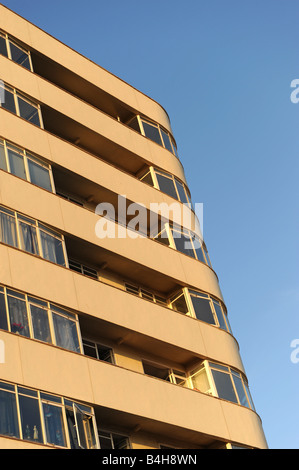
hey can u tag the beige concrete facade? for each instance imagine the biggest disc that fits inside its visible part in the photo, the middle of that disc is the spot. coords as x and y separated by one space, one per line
91 326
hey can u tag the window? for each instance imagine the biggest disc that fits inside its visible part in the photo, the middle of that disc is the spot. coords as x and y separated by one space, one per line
31 236
223 382
145 294
39 417
14 51
35 318
110 440
170 185
23 164
154 132
21 105
98 351
164 373
82 269
208 309
185 241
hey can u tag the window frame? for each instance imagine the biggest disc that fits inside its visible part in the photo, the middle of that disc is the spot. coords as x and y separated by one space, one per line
9 40
49 307
7 145
53 400
19 94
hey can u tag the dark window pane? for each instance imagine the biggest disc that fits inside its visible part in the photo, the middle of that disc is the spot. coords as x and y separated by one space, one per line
40 324
8 415
71 424
3 47
90 351
105 441
66 333
19 56
198 248
220 315
134 124
183 244
28 111
18 316
52 248
28 238
152 132
3 165
105 353
39 175
147 179
224 386
240 391
16 163
166 141
8 233
166 185
180 304
202 309
54 425
30 419
3 317
7 99
181 191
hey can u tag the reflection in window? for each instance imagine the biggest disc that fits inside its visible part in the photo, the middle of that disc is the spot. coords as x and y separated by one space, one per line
65 328
52 246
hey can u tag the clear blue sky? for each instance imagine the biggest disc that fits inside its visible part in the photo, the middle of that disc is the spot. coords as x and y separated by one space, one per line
222 69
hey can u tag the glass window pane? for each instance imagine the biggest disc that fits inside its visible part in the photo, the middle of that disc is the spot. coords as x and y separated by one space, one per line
224 386
105 441
18 316
3 317
71 424
8 232
147 178
52 248
240 391
198 248
249 395
16 163
66 333
40 324
3 165
55 432
220 315
134 124
8 415
166 141
30 419
28 238
183 243
202 310
7 100
166 185
19 56
200 381
152 132
28 111
180 304
182 192
39 175
3 47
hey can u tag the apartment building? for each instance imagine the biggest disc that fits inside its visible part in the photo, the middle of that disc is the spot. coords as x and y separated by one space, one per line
115 341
